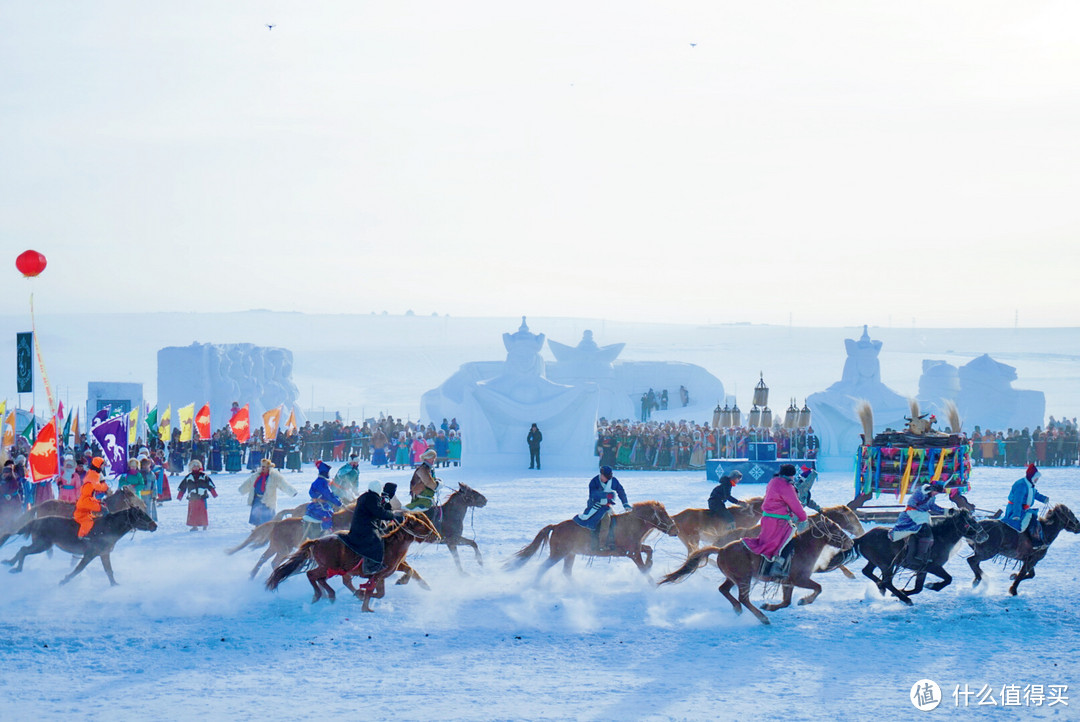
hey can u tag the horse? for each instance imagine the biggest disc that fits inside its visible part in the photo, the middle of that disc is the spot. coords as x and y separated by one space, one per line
116 501
449 519
330 556
886 555
844 517
695 523
741 566
1002 541
285 535
64 533
568 539
294 513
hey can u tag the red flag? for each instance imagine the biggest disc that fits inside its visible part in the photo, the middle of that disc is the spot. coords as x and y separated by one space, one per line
240 424
202 422
44 459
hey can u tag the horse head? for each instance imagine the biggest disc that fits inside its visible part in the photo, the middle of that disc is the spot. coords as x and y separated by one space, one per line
1065 516
420 527
655 515
135 518
822 527
969 527
471 496
847 519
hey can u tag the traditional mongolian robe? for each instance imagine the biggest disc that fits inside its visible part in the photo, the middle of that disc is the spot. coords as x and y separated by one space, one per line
1019 511
779 511
198 486
920 506
601 498
88 505
364 535
262 488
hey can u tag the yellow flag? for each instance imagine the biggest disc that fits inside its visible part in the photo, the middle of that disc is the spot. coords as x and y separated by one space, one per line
271 419
3 408
165 426
186 414
290 425
133 426
9 430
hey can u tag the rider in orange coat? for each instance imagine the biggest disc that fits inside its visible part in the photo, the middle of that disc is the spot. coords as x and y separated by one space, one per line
88 508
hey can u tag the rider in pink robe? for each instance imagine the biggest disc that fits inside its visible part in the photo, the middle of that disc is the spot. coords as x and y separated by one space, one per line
778 510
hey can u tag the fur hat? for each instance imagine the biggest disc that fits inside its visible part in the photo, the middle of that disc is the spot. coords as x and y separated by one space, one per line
389 489
1032 474
430 455
375 485
606 471
787 470
266 461
323 468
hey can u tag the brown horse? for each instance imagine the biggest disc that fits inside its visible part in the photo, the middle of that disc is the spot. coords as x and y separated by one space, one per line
1003 540
568 539
116 501
330 556
846 519
741 566
285 535
697 523
295 513
449 519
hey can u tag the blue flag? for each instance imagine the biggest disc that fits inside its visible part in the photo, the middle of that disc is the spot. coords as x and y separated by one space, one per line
113 436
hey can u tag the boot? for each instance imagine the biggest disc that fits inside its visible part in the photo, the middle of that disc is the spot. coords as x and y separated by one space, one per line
922 555
1038 544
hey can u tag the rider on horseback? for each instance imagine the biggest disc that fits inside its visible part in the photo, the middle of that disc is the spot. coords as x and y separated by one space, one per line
319 515
88 507
914 522
1020 515
602 491
365 532
423 483
779 510
721 494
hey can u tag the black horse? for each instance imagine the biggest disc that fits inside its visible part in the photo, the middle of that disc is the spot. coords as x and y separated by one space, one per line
882 553
449 519
64 533
1002 540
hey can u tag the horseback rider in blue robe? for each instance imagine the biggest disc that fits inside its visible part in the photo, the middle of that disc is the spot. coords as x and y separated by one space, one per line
319 515
914 524
1020 515
603 488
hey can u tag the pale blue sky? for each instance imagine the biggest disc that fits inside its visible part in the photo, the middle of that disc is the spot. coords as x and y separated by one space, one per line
835 163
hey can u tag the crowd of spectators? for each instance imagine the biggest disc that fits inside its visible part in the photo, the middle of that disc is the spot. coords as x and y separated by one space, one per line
1056 445
675 446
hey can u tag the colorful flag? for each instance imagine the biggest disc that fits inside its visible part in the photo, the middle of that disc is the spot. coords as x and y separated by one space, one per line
44 457
152 423
240 424
165 425
67 431
186 414
202 423
59 414
28 432
75 428
290 425
133 427
271 419
9 430
112 435
101 415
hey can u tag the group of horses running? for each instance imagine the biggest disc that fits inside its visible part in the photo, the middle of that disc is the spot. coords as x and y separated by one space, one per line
830 539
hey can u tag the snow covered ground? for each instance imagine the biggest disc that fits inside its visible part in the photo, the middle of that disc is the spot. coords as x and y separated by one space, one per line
186 635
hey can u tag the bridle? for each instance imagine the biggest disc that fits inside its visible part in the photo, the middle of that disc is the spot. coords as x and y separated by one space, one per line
823 528
401 527
657 523
971 529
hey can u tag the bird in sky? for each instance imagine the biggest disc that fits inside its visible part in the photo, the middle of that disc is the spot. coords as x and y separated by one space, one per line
269 26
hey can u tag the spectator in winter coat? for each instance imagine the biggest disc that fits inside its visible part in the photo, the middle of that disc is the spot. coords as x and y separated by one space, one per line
533 439
199 487
70 480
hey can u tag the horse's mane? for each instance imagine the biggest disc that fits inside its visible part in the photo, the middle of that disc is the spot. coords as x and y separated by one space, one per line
414 516
1065 511
650 504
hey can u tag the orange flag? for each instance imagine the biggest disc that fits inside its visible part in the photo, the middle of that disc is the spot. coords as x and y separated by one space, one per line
271 419
290 425
9 430
241 424
44 459
202 422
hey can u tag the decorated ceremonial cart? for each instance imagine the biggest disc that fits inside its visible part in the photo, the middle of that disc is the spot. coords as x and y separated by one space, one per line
896 462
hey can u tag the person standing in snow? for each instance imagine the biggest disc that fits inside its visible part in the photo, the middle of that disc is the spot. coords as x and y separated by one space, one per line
199 487
262 488
533 439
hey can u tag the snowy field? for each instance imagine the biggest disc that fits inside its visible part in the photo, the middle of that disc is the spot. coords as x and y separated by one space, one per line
186 635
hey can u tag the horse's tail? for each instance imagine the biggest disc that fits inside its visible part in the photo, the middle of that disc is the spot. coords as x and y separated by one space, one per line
300 560
23 530
25 518
536 545
259 536
691 565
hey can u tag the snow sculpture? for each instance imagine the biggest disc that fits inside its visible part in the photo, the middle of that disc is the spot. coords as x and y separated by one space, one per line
219 374
982 390
835 419
495 402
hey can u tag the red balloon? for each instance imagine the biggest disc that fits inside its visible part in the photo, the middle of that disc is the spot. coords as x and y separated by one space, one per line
30 263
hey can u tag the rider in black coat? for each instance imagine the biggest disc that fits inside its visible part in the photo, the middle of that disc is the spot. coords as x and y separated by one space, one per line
721 494
365 532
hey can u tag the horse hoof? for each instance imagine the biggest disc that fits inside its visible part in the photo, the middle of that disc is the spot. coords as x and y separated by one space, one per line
908 602
765 620
975 583
13 570
1012 591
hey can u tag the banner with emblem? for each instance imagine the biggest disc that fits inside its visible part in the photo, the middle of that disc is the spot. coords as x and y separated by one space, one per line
271 419
240 424
186 415
112 436
202 423
165 425
133 426
44 456
24 363
9 430
290 425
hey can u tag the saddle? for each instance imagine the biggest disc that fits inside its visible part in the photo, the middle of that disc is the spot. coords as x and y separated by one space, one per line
778 567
